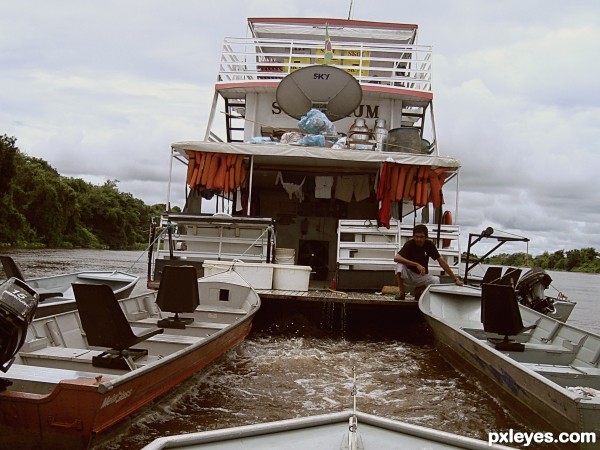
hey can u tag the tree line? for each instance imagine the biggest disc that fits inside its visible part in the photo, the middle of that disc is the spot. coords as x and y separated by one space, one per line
39 207
582 260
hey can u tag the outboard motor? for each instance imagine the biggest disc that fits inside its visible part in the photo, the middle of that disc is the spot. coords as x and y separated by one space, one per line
530 290
18 303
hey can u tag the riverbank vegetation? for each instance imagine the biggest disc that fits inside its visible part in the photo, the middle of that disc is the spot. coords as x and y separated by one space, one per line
582 260
41 208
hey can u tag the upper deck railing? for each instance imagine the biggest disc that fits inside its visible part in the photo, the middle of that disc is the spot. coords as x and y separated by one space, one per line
402 66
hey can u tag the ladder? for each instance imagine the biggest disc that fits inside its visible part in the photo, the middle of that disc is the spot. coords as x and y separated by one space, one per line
235 113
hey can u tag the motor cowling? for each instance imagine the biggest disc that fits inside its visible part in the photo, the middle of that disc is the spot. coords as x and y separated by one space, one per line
530 290
18 304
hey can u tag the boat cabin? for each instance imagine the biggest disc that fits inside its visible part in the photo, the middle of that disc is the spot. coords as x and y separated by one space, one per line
257 189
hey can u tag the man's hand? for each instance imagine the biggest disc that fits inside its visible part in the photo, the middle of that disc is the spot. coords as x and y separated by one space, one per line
421 269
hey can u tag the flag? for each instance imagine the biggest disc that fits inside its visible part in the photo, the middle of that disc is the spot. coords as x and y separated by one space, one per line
328 48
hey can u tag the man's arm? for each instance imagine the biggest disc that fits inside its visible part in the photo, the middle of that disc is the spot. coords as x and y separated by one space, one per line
407 262
444 265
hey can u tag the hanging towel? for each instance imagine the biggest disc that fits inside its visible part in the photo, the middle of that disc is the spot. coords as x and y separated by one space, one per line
344 188
323 185
361 187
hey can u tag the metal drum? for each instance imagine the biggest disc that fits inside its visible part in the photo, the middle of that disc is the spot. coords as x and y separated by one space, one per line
404 139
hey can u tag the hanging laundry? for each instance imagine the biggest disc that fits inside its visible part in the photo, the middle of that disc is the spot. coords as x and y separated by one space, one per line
323 185
293 189
348 185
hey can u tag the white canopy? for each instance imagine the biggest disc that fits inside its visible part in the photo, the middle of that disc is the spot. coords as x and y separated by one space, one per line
286 155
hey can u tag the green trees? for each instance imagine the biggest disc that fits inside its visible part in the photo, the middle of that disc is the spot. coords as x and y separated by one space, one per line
582 260
38 205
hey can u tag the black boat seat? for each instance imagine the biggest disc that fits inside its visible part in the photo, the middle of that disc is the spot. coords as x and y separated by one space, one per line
178 293
492 275
500 314
12 269
510 277
105 325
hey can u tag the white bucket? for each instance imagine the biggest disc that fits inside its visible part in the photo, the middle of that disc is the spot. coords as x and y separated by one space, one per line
290 277
285 256
258 275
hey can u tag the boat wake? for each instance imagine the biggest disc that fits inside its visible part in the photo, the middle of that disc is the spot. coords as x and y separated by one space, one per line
270 378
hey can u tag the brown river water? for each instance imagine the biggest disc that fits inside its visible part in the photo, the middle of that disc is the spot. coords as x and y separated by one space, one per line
303 369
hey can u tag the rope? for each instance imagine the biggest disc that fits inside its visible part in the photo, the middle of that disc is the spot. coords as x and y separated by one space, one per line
169 225
522 237
269 228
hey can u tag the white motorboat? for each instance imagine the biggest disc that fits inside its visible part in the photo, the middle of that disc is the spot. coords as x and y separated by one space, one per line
549 367
71 376
347 430
56 292
335 431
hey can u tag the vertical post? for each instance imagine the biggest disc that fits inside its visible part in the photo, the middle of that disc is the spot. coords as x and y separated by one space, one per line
269 244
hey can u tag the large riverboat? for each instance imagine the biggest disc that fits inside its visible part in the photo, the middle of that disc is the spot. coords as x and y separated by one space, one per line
312 208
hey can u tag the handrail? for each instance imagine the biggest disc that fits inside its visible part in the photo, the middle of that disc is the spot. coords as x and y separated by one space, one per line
251 59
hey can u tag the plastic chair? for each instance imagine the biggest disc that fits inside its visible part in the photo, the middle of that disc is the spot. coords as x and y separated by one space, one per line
500 314
178 293
105 325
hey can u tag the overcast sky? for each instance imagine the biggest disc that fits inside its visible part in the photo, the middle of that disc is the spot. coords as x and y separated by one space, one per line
101 89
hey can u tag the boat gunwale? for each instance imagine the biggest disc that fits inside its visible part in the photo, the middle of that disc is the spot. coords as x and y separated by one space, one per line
578 399
300 423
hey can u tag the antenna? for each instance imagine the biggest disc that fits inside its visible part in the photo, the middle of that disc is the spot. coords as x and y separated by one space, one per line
350 10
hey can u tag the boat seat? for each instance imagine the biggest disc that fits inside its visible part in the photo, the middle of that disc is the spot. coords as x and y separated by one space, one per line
548 369
12 269
510 277
178 293
500 314
492 275
105 325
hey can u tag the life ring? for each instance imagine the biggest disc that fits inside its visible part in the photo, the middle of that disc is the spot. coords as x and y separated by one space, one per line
446 220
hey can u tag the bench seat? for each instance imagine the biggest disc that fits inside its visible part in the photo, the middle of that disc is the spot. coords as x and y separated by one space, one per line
36 374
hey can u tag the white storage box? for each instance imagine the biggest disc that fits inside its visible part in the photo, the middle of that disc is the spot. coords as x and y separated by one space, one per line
288 277
258 275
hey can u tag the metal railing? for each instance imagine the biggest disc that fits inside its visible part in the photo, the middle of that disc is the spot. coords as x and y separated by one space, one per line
251 59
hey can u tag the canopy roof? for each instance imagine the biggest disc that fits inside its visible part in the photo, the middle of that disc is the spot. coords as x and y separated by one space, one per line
339 29
286 155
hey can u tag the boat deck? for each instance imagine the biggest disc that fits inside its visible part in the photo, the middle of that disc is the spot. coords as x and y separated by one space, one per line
332 296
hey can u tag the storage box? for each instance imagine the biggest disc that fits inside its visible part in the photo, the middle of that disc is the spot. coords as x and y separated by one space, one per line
289 277
258 275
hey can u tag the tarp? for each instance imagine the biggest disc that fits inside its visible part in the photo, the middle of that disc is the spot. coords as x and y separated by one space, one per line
294 155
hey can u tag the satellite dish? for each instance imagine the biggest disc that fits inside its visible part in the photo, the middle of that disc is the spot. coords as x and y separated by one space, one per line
331 90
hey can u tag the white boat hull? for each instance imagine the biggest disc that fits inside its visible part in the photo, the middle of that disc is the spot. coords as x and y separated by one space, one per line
60 393
536 379
328 431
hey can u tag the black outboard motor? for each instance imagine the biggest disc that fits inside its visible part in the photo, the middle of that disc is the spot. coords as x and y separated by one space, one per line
18 303
530 290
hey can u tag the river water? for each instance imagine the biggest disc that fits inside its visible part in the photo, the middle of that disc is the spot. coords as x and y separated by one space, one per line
307 370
